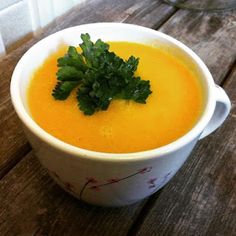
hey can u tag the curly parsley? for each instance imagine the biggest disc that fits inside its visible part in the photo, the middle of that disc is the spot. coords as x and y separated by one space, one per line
99 76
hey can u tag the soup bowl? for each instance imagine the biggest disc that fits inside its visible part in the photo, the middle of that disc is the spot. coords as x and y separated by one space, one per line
114 179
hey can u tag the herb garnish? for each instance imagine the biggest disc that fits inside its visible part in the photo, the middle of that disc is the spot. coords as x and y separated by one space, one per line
100 76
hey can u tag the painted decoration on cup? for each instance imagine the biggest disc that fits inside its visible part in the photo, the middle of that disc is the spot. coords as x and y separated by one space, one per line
91 183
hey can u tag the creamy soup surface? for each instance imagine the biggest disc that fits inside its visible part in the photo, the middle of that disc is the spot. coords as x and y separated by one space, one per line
171 110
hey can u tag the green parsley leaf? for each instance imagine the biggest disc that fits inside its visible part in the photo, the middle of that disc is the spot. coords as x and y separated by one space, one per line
99 75
63 89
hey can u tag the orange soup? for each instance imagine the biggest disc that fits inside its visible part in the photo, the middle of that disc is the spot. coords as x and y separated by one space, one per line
171 110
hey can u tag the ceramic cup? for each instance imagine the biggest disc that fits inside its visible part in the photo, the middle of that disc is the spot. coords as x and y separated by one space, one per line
107 179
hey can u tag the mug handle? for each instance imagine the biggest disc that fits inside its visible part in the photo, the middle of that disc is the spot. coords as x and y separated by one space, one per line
222 110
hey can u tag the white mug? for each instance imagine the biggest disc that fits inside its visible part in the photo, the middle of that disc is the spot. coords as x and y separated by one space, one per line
108 179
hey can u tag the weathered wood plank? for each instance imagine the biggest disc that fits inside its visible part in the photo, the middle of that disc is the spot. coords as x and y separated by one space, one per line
32 204
201 198
211 35
133 11
153 15
13 144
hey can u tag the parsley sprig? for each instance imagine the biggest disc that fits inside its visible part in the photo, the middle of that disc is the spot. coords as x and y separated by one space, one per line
99 76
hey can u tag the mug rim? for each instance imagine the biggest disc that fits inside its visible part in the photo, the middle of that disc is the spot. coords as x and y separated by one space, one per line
78 152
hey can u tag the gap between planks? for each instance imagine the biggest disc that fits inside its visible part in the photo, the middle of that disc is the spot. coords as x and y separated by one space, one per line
23 151
227 76
143 214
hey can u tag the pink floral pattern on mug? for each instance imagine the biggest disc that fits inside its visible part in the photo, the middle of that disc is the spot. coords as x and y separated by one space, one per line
151 182
94 185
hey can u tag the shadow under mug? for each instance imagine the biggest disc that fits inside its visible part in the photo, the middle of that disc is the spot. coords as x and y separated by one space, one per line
108 179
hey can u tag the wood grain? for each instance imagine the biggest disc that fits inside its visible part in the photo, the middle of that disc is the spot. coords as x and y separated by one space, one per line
201 198
211 35
32 204
14 144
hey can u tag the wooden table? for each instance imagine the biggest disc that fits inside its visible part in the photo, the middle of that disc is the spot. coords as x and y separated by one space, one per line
199 200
